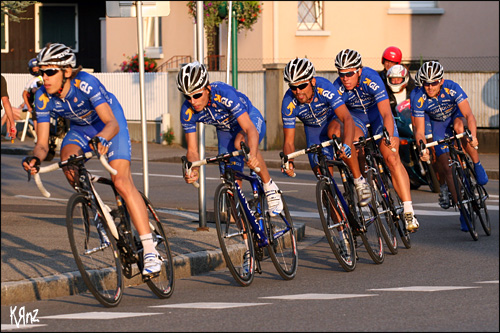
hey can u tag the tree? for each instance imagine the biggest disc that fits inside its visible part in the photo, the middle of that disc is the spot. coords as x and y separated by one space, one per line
14 8
246 14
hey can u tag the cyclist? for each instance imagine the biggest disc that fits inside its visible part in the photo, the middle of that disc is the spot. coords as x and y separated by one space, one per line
8 110
447 106
391 56
364 94
235 118
314 101
94 113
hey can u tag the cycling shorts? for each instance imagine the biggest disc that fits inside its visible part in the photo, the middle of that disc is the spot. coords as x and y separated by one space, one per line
120 147
442 129
226 140
374 119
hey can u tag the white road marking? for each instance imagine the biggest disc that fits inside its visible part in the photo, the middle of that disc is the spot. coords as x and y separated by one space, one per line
493 282
7 327
101 315
423 288
208 305
181 213
318 296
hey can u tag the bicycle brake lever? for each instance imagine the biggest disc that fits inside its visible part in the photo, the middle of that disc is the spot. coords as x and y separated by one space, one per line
422 148
387 139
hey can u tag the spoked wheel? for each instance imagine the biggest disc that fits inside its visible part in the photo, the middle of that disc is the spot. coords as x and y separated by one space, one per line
161 285
398 214
370 225
234 235
465 200
94 250
336 226
480 208
282 246
388 228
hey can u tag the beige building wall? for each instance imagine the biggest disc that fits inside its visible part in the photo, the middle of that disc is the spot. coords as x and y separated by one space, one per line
466 29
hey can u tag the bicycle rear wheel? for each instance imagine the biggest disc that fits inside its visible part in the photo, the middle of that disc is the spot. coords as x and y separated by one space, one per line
282 246
161 285
94 250
370 225
387 226
465 199
336 226
235 236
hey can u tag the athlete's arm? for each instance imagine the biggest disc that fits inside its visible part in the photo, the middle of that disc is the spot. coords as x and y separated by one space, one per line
111 127
464 107
192 155
345 117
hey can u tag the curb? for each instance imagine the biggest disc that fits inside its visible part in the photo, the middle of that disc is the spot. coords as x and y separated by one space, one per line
71 283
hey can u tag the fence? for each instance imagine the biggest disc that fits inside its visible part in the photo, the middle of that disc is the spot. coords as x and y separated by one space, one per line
481 88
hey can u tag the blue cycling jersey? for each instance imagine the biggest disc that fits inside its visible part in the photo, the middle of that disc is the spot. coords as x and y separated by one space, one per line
365 96
226 104
441 107
363 99
86 93
318 113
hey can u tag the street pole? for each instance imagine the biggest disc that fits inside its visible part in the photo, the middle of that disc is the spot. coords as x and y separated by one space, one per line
145 170
202 204
234 60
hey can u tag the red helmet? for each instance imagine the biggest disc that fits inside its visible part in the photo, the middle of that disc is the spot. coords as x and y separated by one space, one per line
393 54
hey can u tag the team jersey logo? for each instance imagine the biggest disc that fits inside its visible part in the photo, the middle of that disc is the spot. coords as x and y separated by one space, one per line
189 113
223 100
44 99
291 107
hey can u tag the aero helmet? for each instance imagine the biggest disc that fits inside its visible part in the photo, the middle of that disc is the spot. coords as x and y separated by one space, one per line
299 69
398 71
192 77
430 71
348 59
56 54
393 54
33 63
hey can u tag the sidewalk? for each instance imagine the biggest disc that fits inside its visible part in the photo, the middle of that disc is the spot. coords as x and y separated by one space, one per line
35 268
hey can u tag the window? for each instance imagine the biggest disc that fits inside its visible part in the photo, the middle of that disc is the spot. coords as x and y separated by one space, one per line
310 15
5 33
152 37
414 7
310 19
56 23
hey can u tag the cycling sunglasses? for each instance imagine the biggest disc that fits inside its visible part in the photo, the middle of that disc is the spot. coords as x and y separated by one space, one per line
300 86
348 74
435 83
50 71
195 96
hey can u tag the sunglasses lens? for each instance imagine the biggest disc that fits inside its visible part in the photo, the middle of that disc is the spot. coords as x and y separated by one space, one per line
348 74
300 86
435 83
49 72
195 96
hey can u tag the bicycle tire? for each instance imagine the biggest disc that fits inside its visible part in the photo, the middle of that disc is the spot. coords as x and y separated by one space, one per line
161 285
99 265
481 209
398 210
387 226
464 199
370 225
431 177
338 233
480 195
234 234
282 246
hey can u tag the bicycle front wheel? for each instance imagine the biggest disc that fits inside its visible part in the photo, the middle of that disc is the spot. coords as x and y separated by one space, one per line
282 246
480 208
398 213
370 226
94 249
464 199
336 226
387 226
163 284
235 236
